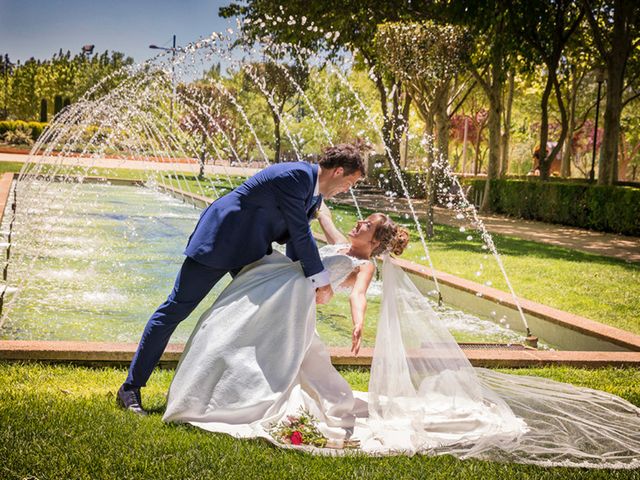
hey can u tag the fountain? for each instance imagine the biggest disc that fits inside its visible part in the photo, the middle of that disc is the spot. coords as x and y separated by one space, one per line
82 254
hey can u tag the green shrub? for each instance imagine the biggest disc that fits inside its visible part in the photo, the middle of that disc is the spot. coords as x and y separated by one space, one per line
19 136
13 125
414 181
598 207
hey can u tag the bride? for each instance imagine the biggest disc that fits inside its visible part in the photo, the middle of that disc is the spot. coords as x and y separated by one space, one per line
255 367
255 357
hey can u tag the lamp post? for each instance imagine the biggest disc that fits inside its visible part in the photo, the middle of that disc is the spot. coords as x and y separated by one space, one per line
173 85
600 79
7 67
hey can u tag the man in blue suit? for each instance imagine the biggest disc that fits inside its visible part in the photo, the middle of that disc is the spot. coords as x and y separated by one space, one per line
276 204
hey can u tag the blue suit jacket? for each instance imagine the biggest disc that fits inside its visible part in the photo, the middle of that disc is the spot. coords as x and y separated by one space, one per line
273 205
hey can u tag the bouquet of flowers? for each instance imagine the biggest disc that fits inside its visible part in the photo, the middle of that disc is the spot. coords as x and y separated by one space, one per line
303 430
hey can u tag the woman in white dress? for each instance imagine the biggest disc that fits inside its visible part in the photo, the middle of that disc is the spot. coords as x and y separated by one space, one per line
255 361
255 356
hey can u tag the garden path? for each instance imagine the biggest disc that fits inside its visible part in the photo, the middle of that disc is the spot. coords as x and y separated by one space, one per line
599 243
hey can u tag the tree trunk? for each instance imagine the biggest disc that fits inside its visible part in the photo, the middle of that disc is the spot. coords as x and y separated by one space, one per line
476 147
430 183
427 116
563 120
608 165
543 162
406 108
442 121
203 156
493 90
429 126
464 145
389 135
278 140
506 132
614 50
493 121
565 167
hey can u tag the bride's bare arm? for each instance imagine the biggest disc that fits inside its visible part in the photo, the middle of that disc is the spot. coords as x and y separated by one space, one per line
358 301
328 227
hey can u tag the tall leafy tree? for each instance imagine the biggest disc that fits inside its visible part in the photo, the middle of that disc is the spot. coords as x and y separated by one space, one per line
615 25
210 119
62 75
490 25
277 84
24 103
577 78
336 25
545 29
427 57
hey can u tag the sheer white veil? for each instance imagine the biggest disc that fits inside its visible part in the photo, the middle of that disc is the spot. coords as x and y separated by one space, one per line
425 396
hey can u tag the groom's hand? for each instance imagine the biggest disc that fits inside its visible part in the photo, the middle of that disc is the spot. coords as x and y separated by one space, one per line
324 294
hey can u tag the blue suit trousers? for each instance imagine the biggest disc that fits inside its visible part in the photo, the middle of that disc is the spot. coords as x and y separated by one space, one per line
193 283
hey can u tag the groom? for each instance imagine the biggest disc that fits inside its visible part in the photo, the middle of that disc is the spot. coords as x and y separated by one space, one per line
276 204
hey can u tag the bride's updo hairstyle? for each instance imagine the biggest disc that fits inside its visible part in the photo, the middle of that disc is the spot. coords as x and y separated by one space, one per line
393 238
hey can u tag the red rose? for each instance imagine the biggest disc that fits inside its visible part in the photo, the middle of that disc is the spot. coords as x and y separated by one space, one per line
296 438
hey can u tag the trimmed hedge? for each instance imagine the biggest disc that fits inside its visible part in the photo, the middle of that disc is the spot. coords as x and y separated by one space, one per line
414 181
12 125
597 207
567 202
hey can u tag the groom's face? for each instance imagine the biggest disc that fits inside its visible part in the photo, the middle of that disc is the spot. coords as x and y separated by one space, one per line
339 182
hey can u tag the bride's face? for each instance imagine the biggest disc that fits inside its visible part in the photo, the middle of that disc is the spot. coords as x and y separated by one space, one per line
364 231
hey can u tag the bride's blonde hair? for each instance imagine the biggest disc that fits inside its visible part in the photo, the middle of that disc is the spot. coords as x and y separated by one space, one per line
393 238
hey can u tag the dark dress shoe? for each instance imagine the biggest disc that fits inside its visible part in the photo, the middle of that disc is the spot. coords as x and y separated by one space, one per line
129 399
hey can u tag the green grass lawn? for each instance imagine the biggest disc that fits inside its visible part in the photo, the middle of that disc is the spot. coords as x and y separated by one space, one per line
603 289
61 422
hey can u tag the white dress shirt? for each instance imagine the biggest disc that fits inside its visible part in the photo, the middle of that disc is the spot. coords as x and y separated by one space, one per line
322 278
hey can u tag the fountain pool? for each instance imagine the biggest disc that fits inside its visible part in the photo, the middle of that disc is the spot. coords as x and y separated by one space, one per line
93 260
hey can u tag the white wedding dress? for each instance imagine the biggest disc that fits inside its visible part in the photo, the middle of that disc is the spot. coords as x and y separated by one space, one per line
255 358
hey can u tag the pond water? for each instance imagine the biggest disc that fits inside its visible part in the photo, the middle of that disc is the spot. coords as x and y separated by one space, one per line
93 261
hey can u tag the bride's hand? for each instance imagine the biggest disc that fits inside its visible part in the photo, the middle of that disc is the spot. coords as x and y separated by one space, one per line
324 294
356 339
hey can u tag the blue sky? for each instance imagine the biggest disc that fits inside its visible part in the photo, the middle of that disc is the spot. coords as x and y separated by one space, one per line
39 28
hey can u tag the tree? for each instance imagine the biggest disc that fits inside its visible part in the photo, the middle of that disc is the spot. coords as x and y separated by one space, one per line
545 29
615 25
577 71
207 117
426 57
6 68
336 26
62 75
506 124
340 117
490 26
277 83
24 103
630 143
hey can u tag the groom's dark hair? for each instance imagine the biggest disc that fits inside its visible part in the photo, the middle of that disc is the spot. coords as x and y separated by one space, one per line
345 155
